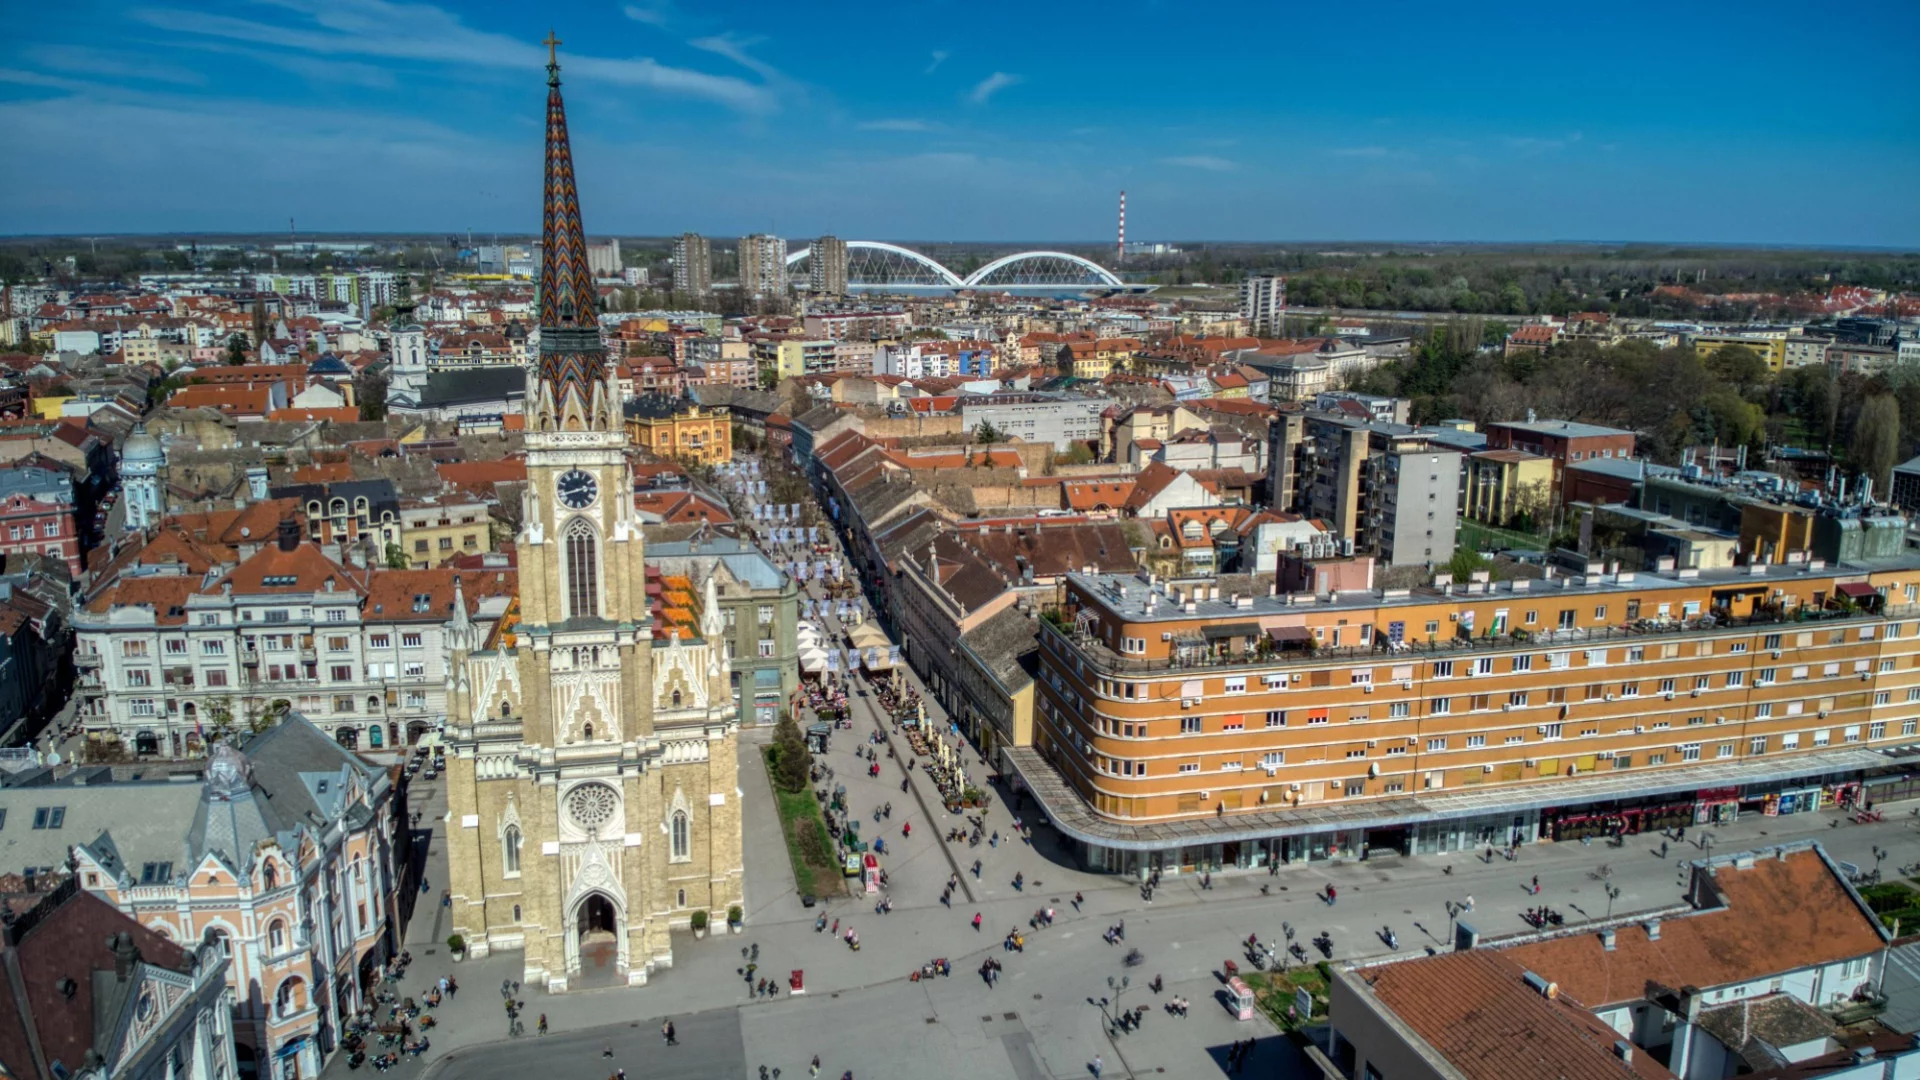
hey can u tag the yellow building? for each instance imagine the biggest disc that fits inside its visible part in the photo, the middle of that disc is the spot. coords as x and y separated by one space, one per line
677 428
1771 347
1505 483
432 531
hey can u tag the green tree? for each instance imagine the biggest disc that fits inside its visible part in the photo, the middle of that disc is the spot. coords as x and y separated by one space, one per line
793 761
1464 562
1875 447
1738 366
237 349
397 558
987 433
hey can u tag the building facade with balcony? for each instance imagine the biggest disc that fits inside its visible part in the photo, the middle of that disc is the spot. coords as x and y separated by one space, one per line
1179 724
167 660
433 531
286 854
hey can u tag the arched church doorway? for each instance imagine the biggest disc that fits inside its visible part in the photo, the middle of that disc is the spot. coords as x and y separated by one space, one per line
597 934
596 916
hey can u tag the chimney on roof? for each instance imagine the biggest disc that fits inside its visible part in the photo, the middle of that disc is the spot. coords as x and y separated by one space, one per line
1542 986
1623 1050
288 536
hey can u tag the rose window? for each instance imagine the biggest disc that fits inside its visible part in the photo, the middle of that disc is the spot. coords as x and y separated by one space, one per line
591 805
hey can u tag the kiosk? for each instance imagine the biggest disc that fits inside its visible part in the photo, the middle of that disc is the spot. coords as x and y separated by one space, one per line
1240 998
870 872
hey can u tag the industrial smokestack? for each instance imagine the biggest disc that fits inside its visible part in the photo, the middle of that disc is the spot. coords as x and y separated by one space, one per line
1120 252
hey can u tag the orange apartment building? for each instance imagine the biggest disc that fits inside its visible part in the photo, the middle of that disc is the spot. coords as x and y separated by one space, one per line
1176 727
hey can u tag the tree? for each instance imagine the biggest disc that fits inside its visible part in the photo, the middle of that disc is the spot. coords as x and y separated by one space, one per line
987 433
1739 366
397 557
1464 562
370 392
1875 447
237 349
792 761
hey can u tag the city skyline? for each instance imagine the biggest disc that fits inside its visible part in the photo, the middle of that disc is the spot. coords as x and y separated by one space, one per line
375 116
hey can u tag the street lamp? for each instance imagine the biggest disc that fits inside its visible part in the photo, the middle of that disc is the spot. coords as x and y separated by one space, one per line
1119 989
1613 893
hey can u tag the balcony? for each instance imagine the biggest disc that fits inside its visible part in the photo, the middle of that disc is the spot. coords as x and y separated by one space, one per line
1194 653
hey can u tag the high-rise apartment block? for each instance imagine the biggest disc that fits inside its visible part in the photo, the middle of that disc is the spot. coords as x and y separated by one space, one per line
692 264
1389 488
1203 723
1263 301
827 267
763 266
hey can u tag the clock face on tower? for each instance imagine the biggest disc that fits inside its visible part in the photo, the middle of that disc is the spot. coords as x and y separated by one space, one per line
577 489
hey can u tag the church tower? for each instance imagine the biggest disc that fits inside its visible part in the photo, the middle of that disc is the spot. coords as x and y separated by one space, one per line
592 805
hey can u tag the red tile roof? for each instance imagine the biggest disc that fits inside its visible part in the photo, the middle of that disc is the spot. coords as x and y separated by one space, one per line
1779 915
1476 1009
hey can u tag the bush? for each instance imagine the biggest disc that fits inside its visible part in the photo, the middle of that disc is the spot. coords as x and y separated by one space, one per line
734 914
457 943
700 920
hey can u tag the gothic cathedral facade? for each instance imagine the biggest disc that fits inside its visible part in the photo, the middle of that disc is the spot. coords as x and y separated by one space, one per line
593 803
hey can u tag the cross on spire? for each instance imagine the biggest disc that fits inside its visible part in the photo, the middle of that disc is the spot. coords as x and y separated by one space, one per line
553 43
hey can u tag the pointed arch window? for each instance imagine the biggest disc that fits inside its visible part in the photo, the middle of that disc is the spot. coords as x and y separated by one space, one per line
583 570
681 845
510 850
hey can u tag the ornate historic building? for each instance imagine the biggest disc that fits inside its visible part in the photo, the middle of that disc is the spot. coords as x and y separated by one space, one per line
592 788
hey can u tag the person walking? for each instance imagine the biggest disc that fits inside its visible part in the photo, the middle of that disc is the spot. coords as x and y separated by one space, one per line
543 1023
1536 884
666 1031
1077 901
976 922
1096 1065
1469 902
815 1069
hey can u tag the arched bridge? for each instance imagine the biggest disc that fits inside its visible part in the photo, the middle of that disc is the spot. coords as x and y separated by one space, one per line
873 266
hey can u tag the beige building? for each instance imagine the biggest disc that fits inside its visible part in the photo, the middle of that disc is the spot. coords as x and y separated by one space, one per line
593 790
433 531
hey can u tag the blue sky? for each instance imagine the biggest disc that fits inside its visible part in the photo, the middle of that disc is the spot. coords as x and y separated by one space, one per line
1756 122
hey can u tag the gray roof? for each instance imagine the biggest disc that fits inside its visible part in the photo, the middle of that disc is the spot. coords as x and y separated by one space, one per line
1008 644
747 565
1566 429
295 773
128 823
1911 465
474 386
1624 468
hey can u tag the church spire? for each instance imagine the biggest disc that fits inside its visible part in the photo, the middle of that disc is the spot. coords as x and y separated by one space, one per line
572 392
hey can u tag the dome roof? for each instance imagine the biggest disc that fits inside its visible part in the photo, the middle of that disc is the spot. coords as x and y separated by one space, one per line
141 446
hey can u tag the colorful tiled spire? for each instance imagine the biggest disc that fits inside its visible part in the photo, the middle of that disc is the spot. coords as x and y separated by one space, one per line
572 393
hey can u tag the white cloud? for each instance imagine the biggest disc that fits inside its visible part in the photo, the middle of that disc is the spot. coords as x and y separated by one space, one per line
651 14
939 57
1200 161
895 125
101 63
393 31
992 85
735 50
